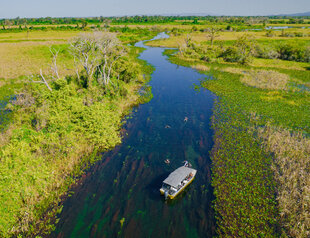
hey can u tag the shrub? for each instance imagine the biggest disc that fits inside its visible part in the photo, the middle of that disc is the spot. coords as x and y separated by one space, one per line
209 54
230 54
266 52
289 51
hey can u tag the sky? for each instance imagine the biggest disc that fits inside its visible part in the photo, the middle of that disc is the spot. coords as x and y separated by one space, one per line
87 8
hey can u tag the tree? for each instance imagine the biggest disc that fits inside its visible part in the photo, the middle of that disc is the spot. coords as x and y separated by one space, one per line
84 24
111 50
246 47
42 81
213 32
96 53
54 67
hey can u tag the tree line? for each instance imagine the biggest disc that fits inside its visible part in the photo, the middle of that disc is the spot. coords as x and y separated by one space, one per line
153 19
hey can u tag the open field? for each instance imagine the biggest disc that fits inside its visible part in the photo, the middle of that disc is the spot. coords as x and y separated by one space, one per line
225 37
27 58
23 53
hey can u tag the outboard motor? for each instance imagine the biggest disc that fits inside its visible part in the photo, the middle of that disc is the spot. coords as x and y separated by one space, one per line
166 194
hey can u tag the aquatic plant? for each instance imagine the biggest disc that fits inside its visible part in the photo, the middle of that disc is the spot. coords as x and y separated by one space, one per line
261 149
242 177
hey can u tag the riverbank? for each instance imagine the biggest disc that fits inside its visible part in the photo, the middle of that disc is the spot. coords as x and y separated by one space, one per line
120 195
261 124
54 135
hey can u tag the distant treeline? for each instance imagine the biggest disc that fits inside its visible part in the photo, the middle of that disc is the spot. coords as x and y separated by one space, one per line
154 19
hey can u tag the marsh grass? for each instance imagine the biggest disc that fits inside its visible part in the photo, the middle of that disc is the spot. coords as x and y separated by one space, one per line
201 67
265 79
281 129
27 58
233 70
279 64
291 171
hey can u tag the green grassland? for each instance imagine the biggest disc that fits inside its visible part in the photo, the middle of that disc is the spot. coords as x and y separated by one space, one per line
261 151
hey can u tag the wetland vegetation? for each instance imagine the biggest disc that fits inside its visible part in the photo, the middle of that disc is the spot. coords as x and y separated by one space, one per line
50 135
261 124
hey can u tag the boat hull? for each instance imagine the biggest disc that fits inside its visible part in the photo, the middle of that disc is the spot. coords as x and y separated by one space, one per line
162 192
179 191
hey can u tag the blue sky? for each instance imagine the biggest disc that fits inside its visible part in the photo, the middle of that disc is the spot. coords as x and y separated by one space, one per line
79 8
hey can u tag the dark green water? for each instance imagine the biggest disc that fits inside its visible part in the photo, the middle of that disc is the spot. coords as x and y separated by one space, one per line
124 185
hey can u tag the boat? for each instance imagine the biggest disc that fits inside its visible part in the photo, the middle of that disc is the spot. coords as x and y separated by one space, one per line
177 181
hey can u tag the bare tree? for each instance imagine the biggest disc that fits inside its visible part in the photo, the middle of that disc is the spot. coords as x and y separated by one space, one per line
212 33
54 67
97 52
43 80
83 49
111 50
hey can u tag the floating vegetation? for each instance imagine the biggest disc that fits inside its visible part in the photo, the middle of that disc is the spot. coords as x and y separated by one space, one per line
121 221
242 178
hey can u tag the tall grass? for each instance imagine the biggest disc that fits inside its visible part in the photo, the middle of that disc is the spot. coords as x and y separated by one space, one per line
291 171
265 79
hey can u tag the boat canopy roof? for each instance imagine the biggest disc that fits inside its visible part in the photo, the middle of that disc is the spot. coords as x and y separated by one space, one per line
176 177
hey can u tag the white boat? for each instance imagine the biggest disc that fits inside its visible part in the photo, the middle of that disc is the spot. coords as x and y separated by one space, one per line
177 181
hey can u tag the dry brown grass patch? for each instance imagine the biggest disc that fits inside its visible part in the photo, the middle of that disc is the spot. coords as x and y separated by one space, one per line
291 169
26 58
265 79
233 70
201 67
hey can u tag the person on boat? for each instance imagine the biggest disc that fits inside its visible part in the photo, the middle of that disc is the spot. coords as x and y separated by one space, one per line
187 164
167 161
185 119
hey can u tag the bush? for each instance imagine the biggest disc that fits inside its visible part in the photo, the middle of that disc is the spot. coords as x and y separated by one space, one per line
208 54
289 51
266 52
231 54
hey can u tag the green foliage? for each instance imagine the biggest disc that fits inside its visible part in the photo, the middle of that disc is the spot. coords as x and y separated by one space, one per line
242 178
230 54
286 50
244 182
241 51
55 135
293 52
155 19
134 34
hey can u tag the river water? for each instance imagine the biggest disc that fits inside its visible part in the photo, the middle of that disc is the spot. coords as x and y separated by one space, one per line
119 196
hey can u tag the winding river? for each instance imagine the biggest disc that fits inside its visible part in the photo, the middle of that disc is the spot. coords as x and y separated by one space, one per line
119 196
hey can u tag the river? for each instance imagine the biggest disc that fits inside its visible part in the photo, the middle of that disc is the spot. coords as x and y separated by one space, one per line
119 195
